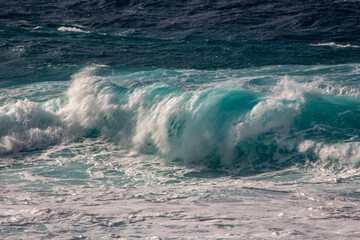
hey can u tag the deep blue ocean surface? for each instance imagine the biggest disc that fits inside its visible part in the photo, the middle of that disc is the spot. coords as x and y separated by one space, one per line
179 119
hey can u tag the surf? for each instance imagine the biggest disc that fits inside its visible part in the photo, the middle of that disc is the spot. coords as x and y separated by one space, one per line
244 121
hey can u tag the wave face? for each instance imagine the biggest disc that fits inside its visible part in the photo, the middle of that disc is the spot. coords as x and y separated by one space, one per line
256 118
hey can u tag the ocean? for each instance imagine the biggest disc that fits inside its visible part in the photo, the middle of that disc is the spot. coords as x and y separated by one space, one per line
215 119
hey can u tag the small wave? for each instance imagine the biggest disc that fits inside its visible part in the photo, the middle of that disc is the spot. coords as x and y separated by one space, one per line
332 44
72 29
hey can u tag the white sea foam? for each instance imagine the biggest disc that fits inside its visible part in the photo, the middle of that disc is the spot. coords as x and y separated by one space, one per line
341 156
337 90
26 125
72 29
126 32
216 208
92 104
332 44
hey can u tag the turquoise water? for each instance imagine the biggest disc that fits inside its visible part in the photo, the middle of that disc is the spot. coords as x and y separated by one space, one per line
179 120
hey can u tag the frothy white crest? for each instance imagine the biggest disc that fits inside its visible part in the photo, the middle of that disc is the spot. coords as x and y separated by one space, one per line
85 104
345 154
267 115
277 110
26 125
92 105
342 91
332 44
153 122
289 89
72 29
126 32
306 145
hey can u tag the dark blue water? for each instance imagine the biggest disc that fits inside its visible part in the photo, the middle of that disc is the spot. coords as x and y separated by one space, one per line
174 34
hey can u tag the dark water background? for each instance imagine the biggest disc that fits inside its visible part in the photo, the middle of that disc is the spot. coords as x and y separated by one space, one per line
173 34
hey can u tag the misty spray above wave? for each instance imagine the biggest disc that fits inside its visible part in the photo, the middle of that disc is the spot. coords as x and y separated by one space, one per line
244 121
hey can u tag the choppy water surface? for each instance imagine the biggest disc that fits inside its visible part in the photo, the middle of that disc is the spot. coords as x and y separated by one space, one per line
176 120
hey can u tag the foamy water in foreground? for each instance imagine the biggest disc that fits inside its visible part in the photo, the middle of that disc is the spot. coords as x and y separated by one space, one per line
103 192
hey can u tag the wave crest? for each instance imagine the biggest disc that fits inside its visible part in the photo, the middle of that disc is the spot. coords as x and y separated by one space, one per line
332 44
72 29
26 125
225 125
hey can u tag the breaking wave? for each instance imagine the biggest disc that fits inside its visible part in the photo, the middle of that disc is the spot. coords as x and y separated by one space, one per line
290 122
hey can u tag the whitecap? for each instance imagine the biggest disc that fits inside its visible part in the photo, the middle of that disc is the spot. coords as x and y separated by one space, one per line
72 29
332 44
